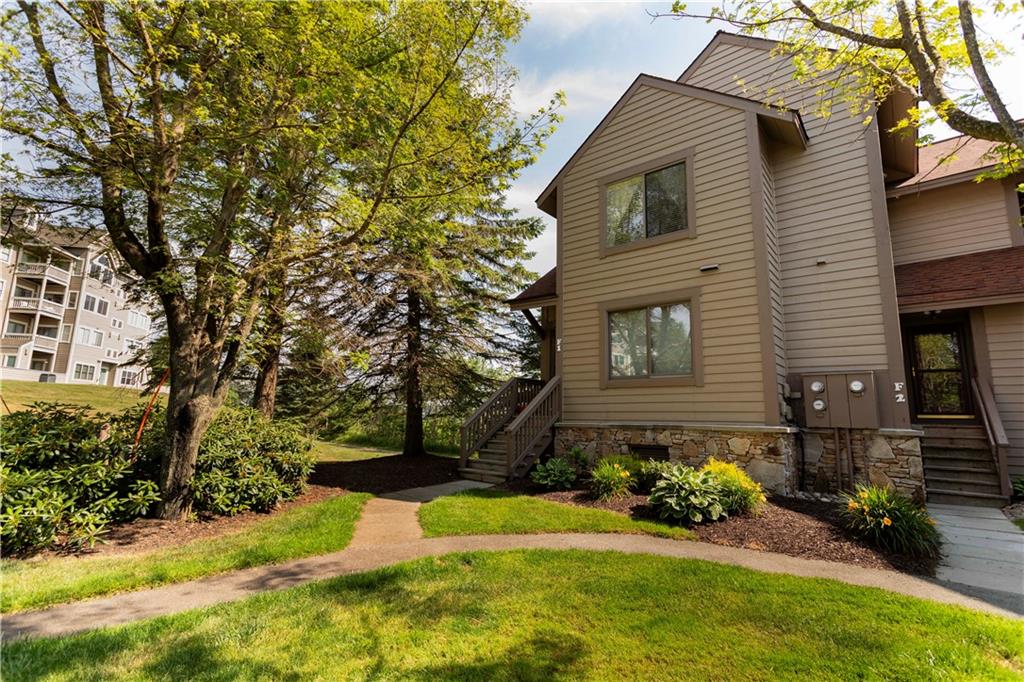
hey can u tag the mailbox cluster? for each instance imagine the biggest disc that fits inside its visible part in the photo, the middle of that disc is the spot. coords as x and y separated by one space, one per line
846 401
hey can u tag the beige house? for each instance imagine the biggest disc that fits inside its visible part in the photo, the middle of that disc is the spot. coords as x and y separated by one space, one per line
67 317
814 298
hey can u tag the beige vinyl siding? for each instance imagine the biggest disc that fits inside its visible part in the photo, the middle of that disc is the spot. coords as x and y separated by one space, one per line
1004 326
949 221
774 270
654 124
833 311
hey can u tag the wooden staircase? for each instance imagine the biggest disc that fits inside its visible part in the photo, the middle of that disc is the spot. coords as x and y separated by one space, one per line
510 431
959 467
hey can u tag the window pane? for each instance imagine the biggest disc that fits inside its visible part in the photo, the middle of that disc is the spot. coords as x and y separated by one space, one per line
666 200
625 211
938 351
671 348
628 335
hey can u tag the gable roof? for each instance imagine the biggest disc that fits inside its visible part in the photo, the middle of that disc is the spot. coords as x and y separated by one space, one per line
967 156
729 39
782 124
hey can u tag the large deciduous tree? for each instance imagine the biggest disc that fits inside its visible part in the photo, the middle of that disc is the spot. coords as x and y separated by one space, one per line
931 48
219 144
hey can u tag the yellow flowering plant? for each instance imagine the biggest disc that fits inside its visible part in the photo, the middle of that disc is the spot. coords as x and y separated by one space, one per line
610 479
890 521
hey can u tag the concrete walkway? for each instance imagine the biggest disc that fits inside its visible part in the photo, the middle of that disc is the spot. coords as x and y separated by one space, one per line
983 552
388 533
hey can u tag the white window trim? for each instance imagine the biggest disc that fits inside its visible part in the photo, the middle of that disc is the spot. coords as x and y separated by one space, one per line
74 373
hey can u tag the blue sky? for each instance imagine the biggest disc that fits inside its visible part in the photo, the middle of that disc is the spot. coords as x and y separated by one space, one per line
594 50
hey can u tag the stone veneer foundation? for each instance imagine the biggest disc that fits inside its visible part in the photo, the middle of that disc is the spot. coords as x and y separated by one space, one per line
771 456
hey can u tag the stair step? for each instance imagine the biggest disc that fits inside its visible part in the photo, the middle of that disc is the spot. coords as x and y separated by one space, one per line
953 431
962 485
955 443
974 474
475 475
483 465
942 496
945 456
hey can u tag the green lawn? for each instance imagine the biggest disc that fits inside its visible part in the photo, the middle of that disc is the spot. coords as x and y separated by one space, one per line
20 394
302 531
542 615
342 452
1020 523
486 512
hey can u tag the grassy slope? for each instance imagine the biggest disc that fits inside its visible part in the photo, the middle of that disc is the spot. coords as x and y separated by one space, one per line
20 394
298 532
341 452
1020 523
478 512
547 615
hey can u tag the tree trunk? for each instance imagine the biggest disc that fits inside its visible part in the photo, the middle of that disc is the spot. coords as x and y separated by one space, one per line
192 403
265 394
413 389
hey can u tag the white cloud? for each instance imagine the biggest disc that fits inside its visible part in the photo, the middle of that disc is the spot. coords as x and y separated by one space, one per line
561 19
522 198
586 91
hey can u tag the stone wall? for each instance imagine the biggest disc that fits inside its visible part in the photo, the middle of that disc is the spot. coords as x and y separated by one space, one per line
772 458
769 457
881 459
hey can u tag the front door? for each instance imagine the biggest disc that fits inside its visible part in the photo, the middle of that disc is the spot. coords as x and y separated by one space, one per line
941 387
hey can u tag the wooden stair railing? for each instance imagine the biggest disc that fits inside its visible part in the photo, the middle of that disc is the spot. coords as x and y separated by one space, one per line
998 442
513 396
533 424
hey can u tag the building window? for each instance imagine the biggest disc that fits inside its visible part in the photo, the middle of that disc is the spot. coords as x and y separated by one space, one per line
651 340
39 365
647 205
89 303
5 254
90 337
72 299
85 372
128 377
23 292
11 361
65 333
15 327
102 306
138 320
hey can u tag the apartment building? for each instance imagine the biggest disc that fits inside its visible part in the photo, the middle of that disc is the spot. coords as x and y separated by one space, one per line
67 317
810 296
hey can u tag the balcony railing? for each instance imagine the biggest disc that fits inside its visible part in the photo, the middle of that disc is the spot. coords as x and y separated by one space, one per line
43 270
38 340
33 303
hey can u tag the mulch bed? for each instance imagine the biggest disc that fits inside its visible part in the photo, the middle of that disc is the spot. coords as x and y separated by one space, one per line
386 474
329 479
802 528
145 535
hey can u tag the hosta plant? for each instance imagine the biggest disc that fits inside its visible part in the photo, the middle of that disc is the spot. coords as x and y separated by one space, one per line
555 474
685 495
650 473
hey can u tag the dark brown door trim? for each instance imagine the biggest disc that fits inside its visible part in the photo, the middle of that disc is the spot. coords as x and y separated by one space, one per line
940 376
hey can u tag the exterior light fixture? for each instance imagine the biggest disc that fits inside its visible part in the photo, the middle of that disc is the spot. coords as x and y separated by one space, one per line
819 405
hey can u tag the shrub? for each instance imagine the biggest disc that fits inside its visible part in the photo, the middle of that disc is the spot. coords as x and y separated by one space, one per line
609 479
685 495
891 521
556 474
1018 487
627 462
578 459
740 493
649 474
60 484
250 463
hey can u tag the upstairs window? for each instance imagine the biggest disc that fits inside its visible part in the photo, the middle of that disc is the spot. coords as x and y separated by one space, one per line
648 205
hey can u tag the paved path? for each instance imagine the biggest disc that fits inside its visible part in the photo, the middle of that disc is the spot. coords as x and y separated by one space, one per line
982 550
389 533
